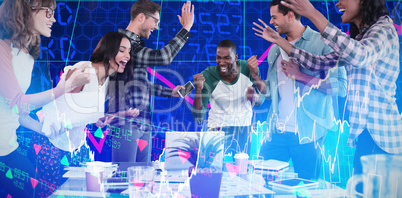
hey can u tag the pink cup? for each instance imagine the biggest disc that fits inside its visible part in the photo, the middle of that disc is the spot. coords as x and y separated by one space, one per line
93 181
93 175
241 160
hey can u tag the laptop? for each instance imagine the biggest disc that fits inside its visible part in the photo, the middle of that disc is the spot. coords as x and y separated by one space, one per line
181 148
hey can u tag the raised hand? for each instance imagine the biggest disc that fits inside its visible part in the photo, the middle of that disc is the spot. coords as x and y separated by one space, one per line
305 8
302 7
187 16
271 35
266 32
253 65
198 81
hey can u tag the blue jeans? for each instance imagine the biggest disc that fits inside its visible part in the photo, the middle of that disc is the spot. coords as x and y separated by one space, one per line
365 145
306 158
237 140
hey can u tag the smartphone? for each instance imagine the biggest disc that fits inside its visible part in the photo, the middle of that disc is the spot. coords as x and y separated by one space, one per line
188 87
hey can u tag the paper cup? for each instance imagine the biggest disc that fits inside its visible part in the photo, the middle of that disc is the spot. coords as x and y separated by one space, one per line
93 176
241 160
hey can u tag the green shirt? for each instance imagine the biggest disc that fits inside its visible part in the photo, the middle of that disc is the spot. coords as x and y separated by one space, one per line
229 106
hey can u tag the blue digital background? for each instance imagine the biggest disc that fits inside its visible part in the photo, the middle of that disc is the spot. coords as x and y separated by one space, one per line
81 24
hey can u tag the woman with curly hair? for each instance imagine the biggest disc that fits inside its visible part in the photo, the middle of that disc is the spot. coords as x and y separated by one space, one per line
22 22
371 57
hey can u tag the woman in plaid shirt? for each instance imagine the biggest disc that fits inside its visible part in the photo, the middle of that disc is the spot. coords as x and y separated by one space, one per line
371 57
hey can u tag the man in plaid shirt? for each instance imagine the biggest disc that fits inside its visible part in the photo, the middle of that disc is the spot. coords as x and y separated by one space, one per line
301 110
132 89
371 57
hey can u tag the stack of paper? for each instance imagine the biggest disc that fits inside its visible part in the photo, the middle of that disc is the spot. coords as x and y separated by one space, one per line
272 165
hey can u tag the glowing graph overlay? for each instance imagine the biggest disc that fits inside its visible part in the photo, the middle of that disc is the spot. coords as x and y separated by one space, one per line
81 24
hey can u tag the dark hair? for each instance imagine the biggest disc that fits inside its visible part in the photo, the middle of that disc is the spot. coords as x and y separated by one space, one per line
370 11
16 23
228 43
283 9
144 6
107 49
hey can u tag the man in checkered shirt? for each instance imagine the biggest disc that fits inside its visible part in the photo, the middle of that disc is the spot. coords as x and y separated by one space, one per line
371 57
132 89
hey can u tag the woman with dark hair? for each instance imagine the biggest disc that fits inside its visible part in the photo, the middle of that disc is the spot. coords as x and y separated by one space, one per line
371 57
85 104
22 22
81 106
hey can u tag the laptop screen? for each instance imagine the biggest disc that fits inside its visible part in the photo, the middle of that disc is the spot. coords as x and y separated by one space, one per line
181 148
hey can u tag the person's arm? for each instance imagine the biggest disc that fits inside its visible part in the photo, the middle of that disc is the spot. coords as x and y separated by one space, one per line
377 43
144 57
292 70
108 118
159 90
356 53
201 98
30 123
267 33
253 96
306 9
333 84
22 103
253 92
310 61
255 74
187 18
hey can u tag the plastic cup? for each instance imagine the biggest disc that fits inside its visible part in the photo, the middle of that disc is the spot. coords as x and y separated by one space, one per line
141 180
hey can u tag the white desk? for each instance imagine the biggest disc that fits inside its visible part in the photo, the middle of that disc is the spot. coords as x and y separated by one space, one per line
231 186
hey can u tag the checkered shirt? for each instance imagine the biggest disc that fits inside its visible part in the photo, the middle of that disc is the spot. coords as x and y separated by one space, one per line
137 88
372 64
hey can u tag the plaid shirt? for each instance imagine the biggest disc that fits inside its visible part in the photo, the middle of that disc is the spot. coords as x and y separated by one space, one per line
372 64
137 88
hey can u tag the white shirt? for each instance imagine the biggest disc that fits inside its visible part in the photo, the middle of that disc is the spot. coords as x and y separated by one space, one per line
76 110
22 64
286 106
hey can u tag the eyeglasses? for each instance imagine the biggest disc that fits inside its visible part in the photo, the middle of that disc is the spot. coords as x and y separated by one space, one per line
156 20
49 11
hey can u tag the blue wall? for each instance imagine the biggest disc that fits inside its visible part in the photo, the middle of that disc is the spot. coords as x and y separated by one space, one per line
81 24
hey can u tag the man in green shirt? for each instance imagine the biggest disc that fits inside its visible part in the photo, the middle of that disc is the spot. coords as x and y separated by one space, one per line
229 89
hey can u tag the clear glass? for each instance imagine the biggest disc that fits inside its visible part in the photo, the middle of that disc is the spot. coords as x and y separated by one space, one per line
382 176
141 181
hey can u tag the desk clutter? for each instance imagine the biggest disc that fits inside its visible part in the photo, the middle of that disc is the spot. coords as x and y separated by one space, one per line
115 180
176 183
